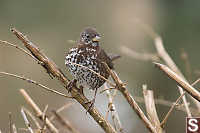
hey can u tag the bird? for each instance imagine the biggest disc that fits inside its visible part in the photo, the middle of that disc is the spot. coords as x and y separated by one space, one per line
86 59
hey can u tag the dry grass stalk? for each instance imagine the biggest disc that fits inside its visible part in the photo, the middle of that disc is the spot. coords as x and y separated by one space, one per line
14 128
38 112
65 123
151 109
112 109
27 123
32 117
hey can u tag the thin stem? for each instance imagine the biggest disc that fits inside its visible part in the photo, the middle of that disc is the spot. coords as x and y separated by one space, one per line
36 83
170 110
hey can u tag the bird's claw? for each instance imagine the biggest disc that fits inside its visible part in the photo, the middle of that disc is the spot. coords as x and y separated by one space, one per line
91 104
71 84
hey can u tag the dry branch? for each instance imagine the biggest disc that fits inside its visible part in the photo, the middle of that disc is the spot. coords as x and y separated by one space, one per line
121 87
53 70
187 87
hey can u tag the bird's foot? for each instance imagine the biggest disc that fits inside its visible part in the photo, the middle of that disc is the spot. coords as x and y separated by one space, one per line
91 104
71 84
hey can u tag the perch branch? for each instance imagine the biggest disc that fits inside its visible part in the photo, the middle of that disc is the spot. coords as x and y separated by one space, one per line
52 69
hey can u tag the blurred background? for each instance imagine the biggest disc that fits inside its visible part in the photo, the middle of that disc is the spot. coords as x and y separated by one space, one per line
50 24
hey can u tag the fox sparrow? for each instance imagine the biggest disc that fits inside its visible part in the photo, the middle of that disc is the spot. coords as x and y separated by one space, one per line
87 56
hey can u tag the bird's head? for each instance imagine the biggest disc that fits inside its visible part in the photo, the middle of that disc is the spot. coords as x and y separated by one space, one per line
90 37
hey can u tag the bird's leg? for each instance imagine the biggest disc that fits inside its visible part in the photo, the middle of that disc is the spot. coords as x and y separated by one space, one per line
71 84
92 101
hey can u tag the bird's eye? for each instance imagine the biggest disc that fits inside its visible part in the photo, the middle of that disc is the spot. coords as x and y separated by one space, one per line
87 36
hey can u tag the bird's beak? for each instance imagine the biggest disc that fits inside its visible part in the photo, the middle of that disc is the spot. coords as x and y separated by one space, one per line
96 39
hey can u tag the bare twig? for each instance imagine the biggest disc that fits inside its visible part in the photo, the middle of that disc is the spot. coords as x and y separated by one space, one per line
67 105
27 123
121 87
52 69
44 116
19 48
112 108
187 87
170 110
37 110
44 112
36 83
151 109
195 82
139 56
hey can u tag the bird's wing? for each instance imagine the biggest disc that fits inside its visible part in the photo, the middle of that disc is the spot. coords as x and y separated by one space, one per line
103 57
